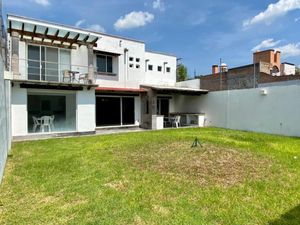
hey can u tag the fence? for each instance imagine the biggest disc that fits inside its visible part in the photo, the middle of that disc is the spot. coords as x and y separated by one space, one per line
272 110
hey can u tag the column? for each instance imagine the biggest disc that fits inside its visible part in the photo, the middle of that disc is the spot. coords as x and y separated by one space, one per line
15 54
91 72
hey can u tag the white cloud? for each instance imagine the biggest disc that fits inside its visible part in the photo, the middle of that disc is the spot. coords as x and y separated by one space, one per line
290 50
79 23
42 2
159 4
133 20
268 43
96 27
273 11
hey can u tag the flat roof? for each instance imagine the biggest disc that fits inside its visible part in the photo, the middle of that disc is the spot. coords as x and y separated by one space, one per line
175 89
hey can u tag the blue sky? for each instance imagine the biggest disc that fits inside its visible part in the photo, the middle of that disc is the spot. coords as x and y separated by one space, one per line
200 32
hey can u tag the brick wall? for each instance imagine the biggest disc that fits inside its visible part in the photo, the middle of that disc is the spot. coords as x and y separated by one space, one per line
242 78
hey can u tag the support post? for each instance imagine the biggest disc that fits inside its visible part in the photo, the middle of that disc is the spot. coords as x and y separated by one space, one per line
15 54
91 72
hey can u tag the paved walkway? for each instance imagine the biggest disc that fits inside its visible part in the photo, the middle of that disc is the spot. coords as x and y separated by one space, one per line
102 131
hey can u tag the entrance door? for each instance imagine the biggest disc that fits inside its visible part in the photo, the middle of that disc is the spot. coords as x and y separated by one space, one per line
127 111
163 107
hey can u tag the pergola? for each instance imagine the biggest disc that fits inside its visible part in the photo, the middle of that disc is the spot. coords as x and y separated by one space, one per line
50 34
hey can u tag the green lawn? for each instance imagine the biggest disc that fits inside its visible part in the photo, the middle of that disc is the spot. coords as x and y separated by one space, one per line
236 178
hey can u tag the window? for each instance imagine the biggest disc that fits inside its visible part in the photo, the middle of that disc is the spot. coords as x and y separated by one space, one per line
104 64
131 65
131 59
137 59
46 63
168 69
137 66
159 68
150 67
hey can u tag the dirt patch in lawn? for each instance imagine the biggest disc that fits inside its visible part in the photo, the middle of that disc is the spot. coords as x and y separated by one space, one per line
208 165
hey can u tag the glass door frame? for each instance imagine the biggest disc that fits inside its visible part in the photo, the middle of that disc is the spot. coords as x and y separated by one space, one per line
41 63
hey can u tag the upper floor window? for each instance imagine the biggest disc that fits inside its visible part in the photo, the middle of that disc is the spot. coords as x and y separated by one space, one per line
150 67
137 59
159 68
137 66
131 59
131 65
168 69
104 64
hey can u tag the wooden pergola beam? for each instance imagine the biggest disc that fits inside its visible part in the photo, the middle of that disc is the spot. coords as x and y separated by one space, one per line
74 40
45 34
23 27
9 27
65 37
34 31
53 37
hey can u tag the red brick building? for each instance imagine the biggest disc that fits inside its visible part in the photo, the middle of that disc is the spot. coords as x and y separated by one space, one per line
266 68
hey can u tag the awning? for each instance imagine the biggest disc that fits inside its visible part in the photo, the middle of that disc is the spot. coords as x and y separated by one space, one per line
49 33
114 89
174 89
52 85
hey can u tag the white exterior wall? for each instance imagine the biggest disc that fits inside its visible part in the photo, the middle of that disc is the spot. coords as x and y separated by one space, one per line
276 113
125 76
19 111
287 69
160 78
194 83
86 112
79 59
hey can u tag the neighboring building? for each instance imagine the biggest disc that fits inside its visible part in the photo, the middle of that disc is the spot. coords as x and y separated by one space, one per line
83 80
266 68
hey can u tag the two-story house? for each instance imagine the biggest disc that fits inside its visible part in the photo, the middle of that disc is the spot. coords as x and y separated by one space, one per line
67 79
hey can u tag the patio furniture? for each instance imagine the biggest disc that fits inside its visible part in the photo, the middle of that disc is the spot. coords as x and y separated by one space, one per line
70 76
47 122
175 121
84 78
36 123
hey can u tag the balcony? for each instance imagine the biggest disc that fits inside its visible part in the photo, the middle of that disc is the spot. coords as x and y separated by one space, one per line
39 73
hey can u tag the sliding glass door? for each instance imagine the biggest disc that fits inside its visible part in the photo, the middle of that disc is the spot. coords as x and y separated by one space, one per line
46 63
114 111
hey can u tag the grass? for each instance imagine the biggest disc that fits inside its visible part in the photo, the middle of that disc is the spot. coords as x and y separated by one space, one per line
154 178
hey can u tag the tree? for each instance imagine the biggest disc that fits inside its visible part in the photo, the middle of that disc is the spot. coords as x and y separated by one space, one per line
297 70
181 73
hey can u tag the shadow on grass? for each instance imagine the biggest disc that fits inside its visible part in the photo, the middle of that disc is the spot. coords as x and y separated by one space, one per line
291 217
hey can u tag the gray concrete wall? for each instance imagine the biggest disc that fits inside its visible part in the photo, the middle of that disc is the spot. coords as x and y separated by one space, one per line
274 111
5 134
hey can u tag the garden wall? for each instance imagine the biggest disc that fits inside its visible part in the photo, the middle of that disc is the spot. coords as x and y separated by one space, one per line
5 129
277 111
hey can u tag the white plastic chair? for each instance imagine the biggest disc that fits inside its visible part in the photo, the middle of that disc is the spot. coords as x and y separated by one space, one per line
52 122
46 122
176 121
36 123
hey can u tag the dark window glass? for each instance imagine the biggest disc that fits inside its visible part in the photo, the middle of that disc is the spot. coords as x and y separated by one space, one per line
130 58
168 69
159 68
101 63
109 64
137 59
150 67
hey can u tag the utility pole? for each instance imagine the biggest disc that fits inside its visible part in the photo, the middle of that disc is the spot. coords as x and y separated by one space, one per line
221 85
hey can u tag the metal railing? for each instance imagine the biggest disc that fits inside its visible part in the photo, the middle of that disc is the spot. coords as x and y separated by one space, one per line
37 70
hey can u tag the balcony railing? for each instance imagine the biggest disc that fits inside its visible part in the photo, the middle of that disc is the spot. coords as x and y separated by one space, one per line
36 70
